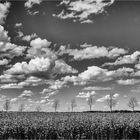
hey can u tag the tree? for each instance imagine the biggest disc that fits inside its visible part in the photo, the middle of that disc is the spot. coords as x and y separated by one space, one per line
90 101
21 107
133 103
73 104
111 101
55 104
38 108
6 105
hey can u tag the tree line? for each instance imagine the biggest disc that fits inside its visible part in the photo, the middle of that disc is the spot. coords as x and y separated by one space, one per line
111 102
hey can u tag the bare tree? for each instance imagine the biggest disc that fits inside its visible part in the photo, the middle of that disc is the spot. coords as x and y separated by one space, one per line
6 105
111 101
55 104
133 103
90 101
38 108
73 104
21 107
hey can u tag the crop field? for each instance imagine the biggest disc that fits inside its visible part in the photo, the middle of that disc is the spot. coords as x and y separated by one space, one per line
41 125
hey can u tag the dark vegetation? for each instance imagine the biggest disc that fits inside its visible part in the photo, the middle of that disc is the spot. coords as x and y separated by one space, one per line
66 125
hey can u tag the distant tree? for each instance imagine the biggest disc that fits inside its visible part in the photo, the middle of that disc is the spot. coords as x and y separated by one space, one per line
111 101
90 101
133 103
38 108
73 104
21 107
6 105
55 104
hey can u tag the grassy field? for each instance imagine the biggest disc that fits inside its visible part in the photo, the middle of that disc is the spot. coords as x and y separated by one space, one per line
33 125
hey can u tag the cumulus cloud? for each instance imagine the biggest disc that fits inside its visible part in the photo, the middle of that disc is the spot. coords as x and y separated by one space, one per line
62 68
104 98
81 10
4 11
128 81
30 3
97 74
39 48
26 94
29 37
126 59
40 66
3 35
8 49
13 100
4 62
85 94
34 66
90 52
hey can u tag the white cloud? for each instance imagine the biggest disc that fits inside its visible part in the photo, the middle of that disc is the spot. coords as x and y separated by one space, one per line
10 86
4 62
31 81
34 65
3 35
97 88
4 11
18 24
13 100
29 37
85 94
137 66
26 94
7 78
20 34
97 74
46 90
87 21
127 59
8 49
32 12
104 98
30 3
90 52
57 84
19 81
45 101
94 74
128 81
50 94
39 48
81 9
62 67
38 42
13 50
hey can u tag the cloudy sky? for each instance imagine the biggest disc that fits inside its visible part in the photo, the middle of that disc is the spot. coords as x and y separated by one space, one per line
69 49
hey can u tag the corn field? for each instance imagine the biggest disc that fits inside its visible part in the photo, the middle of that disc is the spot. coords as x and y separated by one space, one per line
41 125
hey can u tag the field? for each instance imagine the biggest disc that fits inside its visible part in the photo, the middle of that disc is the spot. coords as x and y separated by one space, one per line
33 125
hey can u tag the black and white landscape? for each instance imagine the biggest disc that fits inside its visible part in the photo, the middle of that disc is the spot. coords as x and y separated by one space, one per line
77 58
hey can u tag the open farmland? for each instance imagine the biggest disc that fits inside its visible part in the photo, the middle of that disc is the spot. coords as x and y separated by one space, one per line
41 125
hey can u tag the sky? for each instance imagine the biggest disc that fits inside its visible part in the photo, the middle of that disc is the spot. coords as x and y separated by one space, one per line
68 50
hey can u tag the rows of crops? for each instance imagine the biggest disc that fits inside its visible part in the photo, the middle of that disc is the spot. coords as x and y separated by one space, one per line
16 125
